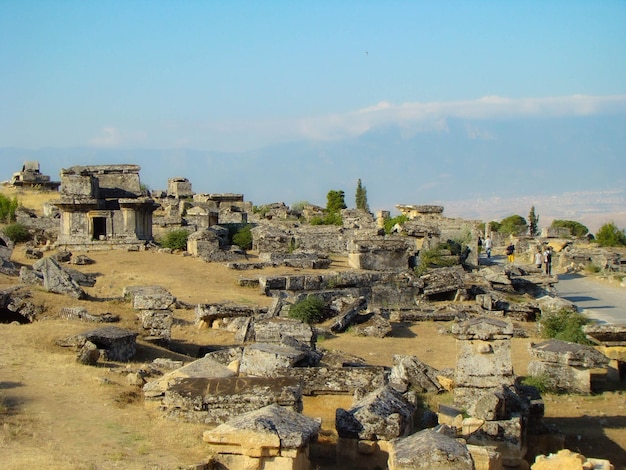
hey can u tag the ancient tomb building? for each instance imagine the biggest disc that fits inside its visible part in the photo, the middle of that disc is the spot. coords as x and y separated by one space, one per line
103 207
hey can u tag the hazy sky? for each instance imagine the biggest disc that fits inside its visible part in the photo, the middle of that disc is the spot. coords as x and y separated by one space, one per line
235 75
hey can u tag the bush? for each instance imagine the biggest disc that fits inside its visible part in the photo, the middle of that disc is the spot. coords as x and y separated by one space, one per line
513 225
243 238
610 235
175 239
7 209
17 233
391 222
433 258
309 310
564 325
575 228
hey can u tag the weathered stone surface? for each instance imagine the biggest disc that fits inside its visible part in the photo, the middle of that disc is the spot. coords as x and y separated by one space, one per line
81 260
409 372
210 312
30 276
265 431
485 458
569 354
273 330
607 335
81 313
348 314
6 251
261 359
483 328
118 344
57 280
561 377
496 275
376 326
429 450
441 280
206 367
567 460
149 297
336 380
82 279
157 324
507 436
381 254
381 414
216 401
88 354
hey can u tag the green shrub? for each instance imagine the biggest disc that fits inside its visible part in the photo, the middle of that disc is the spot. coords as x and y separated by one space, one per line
576 228
592 268
308 310
391 222
176 239
543 383
17 233
564 325
610 235
7 209
334 218
513 225
433 258
243 238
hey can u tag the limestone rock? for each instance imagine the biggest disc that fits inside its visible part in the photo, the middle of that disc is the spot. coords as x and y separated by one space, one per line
377 327
57 280
429 450
410 372
381 414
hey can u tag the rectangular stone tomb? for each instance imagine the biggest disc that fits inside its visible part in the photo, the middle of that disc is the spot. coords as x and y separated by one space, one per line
216 400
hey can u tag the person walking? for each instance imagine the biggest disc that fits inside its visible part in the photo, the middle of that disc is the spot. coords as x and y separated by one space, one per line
488 244
538 258
510 253
547 261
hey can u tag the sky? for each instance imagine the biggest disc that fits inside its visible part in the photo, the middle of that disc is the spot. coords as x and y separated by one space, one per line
239 76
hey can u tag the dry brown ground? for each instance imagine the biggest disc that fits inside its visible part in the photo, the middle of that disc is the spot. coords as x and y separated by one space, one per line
58 414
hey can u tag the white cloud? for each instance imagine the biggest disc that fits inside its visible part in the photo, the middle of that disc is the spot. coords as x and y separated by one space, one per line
432 116
411 118
112 137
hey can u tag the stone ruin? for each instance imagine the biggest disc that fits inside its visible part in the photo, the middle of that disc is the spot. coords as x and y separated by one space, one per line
566 366
610 340
271 437
103 207
502 414
31 176
154 304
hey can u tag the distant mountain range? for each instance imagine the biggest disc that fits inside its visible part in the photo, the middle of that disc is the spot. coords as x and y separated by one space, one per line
466 163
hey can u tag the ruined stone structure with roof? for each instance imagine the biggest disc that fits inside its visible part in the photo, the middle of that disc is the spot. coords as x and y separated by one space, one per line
31 176
103 207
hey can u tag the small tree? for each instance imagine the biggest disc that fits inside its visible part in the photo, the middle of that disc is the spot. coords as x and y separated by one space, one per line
610 235
243 238
575 228
361 197
7 209
335 201
308 310
176 239
513 225
533 223
17 233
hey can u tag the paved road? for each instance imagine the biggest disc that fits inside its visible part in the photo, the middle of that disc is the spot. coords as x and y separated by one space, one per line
597 300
